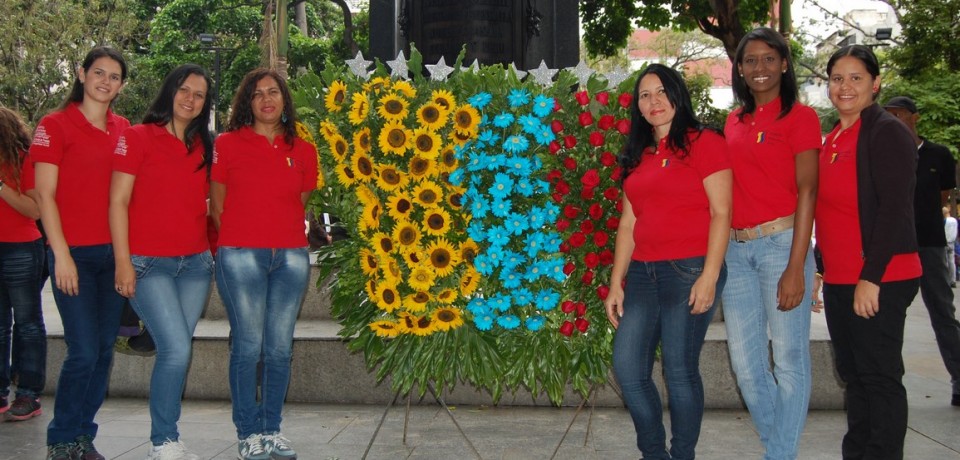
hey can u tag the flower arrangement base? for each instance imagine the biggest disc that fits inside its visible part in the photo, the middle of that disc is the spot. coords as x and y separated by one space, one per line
406 419
586 436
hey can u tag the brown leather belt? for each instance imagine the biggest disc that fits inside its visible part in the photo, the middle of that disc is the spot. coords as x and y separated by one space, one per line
742 235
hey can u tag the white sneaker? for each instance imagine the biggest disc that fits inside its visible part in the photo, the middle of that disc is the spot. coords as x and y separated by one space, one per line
279 447
171 450
252 448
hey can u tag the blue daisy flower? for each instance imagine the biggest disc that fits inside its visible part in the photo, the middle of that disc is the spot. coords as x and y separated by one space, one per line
518 166
542 105
477 162
544 135
524 187
496 162
502 186
498 236
483 322
456 177
547 299
483 265
495 254
503 120
487 137
484 120
543 186
530 124
522 297
510 279
508 321
516 144
501 207
553 211
533 243
512 260
537 216
533 273
500 302
479 208
477 306
551 242
480 100
518 97
516 223
535 323
476 231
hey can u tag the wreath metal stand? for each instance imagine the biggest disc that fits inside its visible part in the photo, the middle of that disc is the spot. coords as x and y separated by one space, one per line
586 436
406 420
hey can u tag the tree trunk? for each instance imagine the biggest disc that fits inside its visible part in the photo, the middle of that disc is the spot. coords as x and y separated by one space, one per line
347 27
300 17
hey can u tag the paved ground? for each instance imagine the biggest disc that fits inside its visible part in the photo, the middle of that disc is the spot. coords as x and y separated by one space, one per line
321 431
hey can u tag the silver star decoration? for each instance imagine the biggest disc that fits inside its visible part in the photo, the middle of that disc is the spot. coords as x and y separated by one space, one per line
472 68
398 67
543 75
582 72
519 73
359 66
615 77
440 71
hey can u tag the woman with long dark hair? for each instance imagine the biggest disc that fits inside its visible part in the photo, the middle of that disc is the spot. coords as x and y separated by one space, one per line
668 260
158 219
72 152
774 141
21 268
262 176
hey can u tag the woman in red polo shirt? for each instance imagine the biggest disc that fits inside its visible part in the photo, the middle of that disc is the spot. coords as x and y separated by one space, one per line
774 141
262 176
72 152
158 219
865 229
668 259
21 267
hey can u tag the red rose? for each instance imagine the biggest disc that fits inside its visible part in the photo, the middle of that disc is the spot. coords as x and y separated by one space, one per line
554 147
611 193
596 138
620 206
554 174
564 247
566 328
613 223
571 211
587 193
556 105
603 97
591 178
582 324
577 239
556 126
601 239
623 126
591 260
606 257
625 99
569 268
586 226
608 159
582 97
562 225
562 187
615 175
596 211
568 306
603 292
581 308
570 163
569 142
585 119
606 122
587 277
557 196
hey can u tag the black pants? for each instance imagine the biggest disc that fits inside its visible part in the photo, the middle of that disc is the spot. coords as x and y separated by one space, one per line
938 298
869 360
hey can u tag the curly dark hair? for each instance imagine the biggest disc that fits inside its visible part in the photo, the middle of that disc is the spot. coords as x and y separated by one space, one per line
14 142
241 112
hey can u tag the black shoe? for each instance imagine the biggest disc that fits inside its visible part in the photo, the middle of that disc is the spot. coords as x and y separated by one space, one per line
84 450
3 404
62 451
24 408
956 400
142 343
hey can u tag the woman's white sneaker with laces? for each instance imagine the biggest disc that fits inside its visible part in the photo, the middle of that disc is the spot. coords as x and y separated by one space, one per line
278 446
171 450
252 448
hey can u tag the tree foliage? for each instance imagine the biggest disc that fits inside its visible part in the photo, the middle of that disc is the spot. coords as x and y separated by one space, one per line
931 35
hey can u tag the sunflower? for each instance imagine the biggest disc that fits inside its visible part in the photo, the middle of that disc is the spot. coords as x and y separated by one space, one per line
406 322
370 217
461 138
446 318
345 174
420 167
416 302
399 206
405 88
468 250
442 257
466 119
389 178
414 258
436 221
366 195
361 140
338 146
407 235
369 262
359 108
336 93
382 243
426 143
362 166
421 278
371 287
327 130
455 199
469 281
423 326
444 99
393 107
395 138
448 160
391 270
447 296
388 299
385 328
377 84
427 193
304 133
432 116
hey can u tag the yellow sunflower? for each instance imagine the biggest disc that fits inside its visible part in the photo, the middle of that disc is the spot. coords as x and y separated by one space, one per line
448 160
366 195
327 130
304 133
446 318
407 235
382 244
423 326
399 206
393 107
395 138
385 328
371 287
436 221
442 257
455 199
469 281
362 166
377 84
416 302
427 193
388 299
345 174
444 99
421 168
336 93
390 178
432 116
359 108
447 296
461 138
466 119
405 88
421 278
391 270
414 258
405 321
361 140
468 250
338 147
370 217
369 262
426 143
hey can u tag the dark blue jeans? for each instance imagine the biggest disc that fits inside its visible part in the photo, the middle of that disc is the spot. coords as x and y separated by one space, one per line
91 320
655 310
21 268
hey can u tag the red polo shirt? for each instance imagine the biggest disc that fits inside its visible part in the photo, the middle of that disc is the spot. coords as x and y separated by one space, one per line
84 155
838 219
669 201
168 206
264 182
763 151
15 227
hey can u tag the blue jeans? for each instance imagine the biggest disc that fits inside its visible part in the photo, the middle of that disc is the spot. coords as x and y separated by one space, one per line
21 268
170 296
262 290
655 310
91 320
777 399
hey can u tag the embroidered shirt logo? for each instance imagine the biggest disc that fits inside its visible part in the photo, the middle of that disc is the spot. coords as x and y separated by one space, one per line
215 156
665 162
833 158
760 137
121 146
40 137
